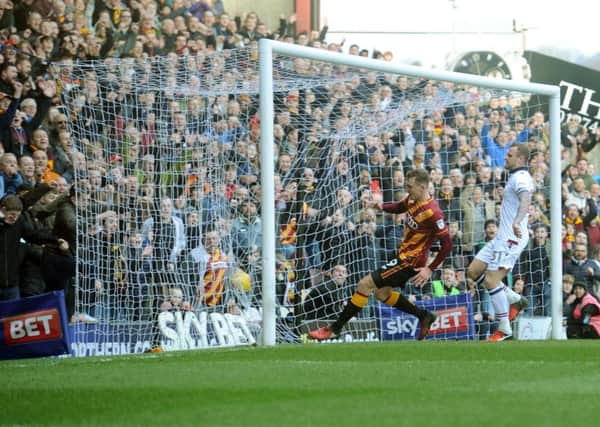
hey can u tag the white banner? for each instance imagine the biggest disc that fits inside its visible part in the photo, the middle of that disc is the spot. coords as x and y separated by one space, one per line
534 328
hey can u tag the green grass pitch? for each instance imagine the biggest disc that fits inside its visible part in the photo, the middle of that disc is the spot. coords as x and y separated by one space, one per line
433 383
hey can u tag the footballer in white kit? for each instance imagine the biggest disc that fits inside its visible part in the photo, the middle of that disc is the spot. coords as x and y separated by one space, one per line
505 249
499 255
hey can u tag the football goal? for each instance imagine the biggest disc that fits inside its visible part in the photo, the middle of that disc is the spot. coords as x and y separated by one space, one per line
227 198
365 123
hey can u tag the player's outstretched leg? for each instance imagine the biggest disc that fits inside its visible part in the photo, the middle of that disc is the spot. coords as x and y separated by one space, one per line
354 306
356 303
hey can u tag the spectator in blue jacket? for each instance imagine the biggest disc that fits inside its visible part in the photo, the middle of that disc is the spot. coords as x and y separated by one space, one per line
496 144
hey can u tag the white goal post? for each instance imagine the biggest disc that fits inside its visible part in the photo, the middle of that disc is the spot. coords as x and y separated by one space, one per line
267 49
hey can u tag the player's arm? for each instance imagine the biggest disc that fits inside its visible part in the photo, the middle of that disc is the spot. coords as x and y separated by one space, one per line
524 202
424 273
445 250
396 207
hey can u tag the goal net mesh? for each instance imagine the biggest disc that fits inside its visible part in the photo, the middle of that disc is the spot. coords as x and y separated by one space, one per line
167 173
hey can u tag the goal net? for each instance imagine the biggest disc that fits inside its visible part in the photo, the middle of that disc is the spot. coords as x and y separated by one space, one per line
180 205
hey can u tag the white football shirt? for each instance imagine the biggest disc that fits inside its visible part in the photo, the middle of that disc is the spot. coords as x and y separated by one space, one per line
519 180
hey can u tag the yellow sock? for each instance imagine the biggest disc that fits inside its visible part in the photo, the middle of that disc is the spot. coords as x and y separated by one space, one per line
392 299
359 299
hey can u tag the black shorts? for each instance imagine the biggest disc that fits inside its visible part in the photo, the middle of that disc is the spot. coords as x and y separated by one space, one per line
393 274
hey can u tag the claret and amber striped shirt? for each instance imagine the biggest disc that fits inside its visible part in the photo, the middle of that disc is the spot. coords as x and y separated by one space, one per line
424 224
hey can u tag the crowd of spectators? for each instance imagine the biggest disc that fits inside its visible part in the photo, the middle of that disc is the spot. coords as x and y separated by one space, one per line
164 154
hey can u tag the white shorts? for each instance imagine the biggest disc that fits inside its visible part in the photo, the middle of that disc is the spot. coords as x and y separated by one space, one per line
499 254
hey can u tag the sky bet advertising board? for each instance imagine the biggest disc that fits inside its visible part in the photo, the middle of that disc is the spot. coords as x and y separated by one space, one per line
34 327
454 320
